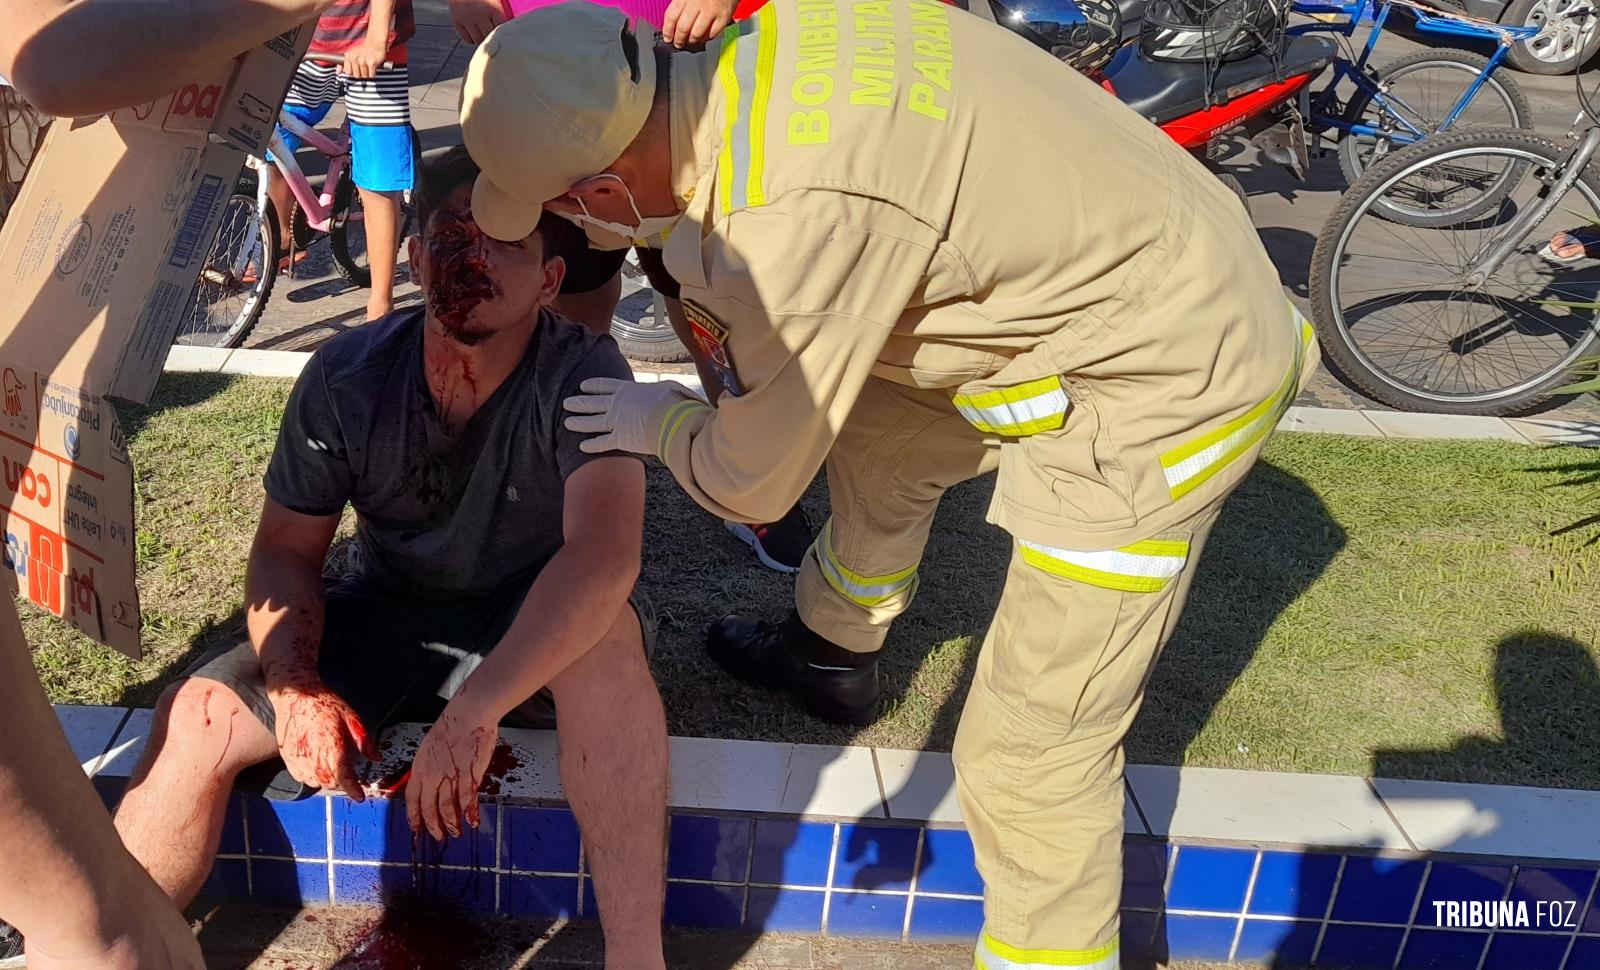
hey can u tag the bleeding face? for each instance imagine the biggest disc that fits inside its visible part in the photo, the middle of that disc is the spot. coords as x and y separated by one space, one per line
477 286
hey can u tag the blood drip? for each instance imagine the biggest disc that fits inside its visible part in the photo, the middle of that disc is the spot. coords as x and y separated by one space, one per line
458 273
501 762
414 942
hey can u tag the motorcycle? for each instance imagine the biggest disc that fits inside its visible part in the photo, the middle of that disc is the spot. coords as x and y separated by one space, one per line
1258 89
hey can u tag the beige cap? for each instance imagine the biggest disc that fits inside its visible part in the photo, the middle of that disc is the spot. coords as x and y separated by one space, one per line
551 98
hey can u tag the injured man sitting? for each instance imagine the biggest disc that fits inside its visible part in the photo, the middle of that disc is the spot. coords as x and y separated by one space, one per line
490 580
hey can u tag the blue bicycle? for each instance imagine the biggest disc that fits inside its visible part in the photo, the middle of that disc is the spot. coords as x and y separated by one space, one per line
1418 95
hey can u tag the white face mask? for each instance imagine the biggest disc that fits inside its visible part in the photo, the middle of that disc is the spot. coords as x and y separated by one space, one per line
648 226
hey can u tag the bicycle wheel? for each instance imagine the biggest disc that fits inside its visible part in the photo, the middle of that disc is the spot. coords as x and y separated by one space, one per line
234 285
1395 307
1420 91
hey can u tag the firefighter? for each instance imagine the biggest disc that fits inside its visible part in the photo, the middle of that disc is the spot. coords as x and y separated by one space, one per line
922 249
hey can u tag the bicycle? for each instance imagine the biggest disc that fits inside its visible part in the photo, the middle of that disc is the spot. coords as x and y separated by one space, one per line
1485 314
233 289
1410 99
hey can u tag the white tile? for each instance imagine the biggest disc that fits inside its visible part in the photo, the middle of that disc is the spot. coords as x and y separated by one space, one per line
739 776
128 745
1399 424
266 363
832 780
537 774
1262 806
1584 434
763 776
183 358
89 730
1132 824
1329 421
1496 819
920 785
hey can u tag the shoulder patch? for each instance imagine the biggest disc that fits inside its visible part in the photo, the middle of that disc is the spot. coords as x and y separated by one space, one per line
711 347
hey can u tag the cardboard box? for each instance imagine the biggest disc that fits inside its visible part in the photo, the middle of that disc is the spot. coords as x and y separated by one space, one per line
98 262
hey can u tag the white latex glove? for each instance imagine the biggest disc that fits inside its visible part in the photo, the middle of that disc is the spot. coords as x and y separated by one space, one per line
625 415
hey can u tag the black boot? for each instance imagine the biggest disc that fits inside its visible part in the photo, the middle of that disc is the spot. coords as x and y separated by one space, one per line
834 684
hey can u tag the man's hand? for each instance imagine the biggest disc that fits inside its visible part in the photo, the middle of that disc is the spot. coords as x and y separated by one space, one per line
363 62
628 413
449 765
690 22
318 736
475 18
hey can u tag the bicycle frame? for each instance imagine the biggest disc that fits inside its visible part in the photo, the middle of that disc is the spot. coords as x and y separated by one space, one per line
318 209
1356 72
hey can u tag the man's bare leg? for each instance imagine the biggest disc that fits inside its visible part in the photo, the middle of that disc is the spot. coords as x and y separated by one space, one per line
382 213
613 737
595 308
171 816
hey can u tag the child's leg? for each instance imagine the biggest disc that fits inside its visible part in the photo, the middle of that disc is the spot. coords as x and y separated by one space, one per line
382 213
381 164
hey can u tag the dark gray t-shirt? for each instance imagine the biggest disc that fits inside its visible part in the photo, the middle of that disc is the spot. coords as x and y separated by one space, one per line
437 515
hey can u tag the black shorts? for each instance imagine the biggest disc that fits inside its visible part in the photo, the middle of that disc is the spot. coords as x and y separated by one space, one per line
393 658
589 269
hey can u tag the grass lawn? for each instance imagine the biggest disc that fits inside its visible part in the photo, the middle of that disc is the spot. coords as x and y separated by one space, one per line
1365 606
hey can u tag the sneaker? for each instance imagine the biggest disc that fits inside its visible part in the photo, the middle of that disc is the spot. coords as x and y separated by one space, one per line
11 956
780 545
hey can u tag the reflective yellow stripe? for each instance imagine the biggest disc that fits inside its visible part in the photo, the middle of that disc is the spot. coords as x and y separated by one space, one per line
745 67
1191 465
1144 567
1016 411
994 955
858 588
672 421
766 60
729 79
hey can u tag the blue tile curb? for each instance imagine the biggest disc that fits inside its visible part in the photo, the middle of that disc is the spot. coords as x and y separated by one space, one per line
1248 867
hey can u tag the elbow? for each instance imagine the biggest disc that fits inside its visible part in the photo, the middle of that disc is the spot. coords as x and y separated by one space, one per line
58 93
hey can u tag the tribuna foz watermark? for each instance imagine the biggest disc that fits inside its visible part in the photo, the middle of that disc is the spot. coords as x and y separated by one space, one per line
1479 914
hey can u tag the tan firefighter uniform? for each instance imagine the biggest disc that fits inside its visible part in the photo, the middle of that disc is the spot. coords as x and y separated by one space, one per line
930 250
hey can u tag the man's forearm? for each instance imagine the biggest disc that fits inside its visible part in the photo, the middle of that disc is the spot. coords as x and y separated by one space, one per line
92 56
285 617
571 606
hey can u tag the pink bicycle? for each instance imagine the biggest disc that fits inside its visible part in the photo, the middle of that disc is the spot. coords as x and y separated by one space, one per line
233 288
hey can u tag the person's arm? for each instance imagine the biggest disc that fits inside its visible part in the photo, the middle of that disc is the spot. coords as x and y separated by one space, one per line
74 892
86 57
690 22
308 483
318 733
571 605
803 339
474 19
364 61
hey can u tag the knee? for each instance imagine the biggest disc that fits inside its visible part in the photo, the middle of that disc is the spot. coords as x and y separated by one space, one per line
195 713
615 669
